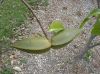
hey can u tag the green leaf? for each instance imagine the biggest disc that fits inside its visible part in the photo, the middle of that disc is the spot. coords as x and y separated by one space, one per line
65 36
94 12
84 21
96 28
33 43
56 26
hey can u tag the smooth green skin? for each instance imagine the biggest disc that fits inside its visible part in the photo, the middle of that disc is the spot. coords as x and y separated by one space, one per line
56 26
65 36
33 43
96 28
94 12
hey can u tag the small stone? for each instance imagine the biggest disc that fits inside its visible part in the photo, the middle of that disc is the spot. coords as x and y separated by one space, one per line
16 68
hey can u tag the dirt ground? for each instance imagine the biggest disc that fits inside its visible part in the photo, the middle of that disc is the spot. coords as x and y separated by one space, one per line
71 13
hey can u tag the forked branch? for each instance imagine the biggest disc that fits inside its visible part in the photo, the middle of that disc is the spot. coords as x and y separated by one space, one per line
94 45
88 47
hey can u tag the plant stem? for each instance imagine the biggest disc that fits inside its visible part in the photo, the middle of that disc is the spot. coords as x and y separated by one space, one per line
30 8
94 45
98 2
87 47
